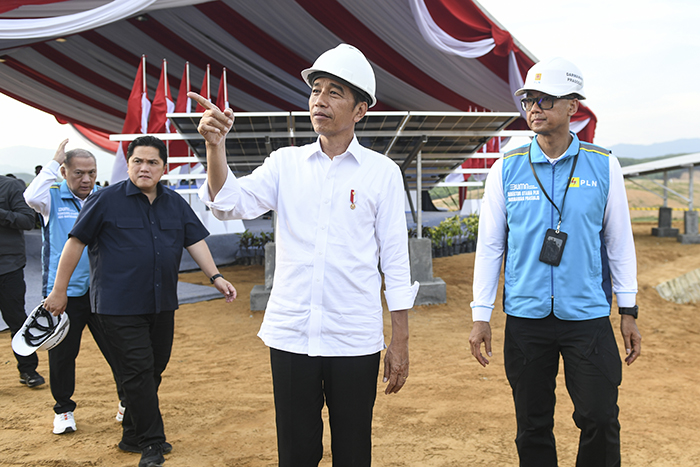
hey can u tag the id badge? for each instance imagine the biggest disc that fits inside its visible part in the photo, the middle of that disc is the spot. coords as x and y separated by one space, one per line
553 247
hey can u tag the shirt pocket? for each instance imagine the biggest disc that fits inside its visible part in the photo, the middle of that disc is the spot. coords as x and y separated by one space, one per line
128 233
171 232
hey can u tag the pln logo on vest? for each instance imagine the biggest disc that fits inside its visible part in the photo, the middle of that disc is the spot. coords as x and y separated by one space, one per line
577 182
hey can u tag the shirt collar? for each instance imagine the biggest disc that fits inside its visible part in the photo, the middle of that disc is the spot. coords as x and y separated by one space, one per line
132 189
354 149
66 193
539 156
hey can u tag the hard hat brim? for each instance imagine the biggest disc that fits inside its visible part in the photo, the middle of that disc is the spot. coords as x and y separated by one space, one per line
20 345
307 73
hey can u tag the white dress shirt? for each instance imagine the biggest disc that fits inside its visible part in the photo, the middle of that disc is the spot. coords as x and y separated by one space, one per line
337 220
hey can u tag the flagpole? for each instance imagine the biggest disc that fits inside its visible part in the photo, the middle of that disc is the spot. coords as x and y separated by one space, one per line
225 88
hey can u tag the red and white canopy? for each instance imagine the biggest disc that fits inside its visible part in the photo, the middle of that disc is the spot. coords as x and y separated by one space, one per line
77 59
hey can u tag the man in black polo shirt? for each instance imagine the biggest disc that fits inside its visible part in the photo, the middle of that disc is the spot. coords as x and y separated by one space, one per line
135 231
15 217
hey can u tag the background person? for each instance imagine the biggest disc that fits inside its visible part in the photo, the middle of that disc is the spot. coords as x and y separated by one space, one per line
557 209
59 205
15 218
340 211
135 232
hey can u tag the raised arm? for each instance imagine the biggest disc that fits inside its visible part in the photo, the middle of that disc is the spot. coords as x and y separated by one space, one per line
214 126
37 193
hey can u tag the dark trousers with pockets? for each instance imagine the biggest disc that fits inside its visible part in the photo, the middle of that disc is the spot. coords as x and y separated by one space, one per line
349 386
12 290
593 372
141 346
62 357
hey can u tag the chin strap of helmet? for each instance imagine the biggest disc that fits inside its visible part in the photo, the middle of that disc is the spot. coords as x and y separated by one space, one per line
45 330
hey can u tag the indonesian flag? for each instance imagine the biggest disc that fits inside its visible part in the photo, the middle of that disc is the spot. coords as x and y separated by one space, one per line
136 121
183 105
162 104
206 89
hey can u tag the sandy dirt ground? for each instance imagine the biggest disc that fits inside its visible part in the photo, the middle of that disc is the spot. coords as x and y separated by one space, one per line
216 395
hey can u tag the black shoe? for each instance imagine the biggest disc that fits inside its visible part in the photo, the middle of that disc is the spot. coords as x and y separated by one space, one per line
152 456
124 446
32 379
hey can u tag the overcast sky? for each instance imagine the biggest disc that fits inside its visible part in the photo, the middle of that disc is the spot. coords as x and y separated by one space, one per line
640 61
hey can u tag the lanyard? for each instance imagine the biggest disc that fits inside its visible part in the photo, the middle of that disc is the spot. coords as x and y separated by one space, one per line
529 159
77 206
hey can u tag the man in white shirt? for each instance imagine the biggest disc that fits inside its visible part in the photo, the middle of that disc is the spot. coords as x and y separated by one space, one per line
59 204
340 213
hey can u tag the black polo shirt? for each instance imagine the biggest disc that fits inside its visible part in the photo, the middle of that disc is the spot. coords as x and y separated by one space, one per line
135 247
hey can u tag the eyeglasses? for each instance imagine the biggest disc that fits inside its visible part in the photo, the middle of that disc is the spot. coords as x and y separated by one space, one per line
544 102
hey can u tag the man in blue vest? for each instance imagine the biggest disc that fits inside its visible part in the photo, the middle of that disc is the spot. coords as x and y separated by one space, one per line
59 205
557 210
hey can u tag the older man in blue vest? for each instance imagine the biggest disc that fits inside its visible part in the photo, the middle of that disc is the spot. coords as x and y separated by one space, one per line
59 204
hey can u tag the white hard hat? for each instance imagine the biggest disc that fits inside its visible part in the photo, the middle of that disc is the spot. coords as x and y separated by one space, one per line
347 63
557 77
41 330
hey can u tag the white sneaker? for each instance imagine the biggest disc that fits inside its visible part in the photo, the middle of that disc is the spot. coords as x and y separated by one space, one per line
64 423
120 412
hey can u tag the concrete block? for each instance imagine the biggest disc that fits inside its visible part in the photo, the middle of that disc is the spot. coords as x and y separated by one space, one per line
431 292
665 216
690 220
665 219
259 297
421 257
664 232
269 264
687 239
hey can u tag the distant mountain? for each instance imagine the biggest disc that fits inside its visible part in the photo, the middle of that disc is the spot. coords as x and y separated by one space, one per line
23 159
642 151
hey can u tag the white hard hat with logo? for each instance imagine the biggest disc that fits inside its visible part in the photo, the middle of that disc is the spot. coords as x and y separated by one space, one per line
350 65
557 77
41 330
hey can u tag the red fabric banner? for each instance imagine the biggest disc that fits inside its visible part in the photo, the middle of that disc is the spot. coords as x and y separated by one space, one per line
9 5
96 137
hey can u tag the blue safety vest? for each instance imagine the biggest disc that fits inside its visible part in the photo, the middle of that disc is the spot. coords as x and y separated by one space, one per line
580 287
64 211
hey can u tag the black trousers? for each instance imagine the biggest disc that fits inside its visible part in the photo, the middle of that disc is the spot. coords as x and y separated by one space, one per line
141 346
593 372
62 357
349 385
12 289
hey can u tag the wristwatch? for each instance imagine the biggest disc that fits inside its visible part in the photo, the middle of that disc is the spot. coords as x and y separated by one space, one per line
632 311
215 277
